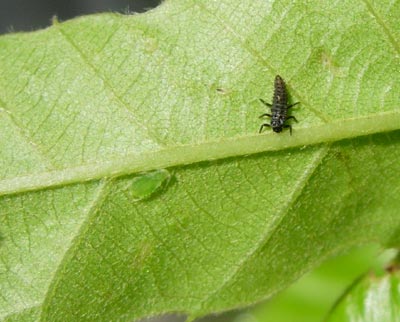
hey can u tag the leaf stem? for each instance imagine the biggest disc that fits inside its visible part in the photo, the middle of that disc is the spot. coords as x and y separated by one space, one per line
210 150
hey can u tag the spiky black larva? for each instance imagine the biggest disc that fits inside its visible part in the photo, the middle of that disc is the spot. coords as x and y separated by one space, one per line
279 108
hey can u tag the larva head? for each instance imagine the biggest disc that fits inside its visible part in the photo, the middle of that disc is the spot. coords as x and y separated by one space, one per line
276 126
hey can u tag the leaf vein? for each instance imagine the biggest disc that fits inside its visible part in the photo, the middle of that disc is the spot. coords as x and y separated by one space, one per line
47 161
383 25
98 198
266 236
260 58
112 90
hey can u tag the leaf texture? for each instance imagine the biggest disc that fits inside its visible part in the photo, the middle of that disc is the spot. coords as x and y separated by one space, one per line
92 110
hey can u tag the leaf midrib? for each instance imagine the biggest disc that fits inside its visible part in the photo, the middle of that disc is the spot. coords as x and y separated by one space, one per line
204 151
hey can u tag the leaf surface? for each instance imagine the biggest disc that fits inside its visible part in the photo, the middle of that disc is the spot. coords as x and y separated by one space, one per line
91 109
373 298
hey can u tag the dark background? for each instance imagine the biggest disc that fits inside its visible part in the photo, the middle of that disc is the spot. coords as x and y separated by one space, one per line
28 15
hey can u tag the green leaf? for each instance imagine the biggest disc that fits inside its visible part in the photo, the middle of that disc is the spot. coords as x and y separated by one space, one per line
316 294
375 298
311 297
89 107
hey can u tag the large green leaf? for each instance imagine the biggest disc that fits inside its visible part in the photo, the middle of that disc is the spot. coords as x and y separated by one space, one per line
317 294
374 298
88 106
312 297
